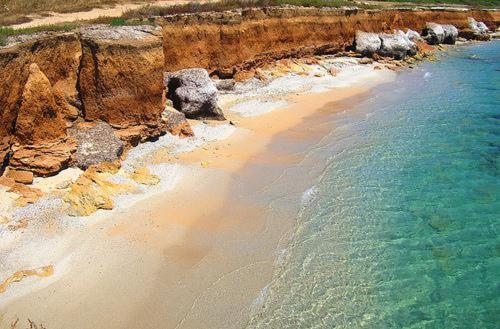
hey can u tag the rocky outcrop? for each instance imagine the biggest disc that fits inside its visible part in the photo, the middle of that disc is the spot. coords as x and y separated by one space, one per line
93 191
475 31
367 43
143 176
43 159
225 84
40 141
175 122
396 45
193 93
121 79
433 33
25 193
450 34
20 176
436 34
228 43
38 98
96 143
43 113
477 27
115 74
413 36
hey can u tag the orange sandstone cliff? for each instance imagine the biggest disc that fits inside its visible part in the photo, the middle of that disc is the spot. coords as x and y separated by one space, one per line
224 43
53 82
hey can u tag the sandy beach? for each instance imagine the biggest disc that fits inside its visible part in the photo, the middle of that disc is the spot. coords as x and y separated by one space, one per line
197 253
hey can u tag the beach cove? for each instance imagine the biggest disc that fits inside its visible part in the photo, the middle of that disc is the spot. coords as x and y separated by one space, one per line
219 217
355 189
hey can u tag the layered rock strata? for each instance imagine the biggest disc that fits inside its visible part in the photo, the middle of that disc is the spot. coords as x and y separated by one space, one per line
54 82
229 42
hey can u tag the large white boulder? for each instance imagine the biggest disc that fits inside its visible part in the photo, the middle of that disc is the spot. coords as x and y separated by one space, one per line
450 34
482 27
477 27
433 33
411 44
395 45
193 93
413 35
367 43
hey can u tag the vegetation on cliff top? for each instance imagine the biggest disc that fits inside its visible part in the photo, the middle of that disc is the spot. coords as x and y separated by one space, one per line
473 3
223 5
6 32
195 7
19 11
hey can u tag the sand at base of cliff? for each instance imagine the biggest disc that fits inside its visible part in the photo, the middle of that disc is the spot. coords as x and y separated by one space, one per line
197 256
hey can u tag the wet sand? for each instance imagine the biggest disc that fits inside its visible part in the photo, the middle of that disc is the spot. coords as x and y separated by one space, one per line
200 255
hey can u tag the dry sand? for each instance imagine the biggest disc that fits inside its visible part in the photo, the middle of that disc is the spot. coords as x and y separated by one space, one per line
194 257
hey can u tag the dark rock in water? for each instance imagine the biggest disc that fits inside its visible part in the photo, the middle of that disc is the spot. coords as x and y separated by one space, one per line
450 34
366 43
194 94
225 84
433 34
96 143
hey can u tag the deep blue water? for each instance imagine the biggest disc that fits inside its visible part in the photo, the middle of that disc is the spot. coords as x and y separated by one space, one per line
403 229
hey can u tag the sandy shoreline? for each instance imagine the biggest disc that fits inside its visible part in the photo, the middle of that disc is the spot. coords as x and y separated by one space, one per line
196 252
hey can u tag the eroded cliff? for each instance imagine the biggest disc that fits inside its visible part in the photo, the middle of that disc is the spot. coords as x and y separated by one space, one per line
225 43
116 74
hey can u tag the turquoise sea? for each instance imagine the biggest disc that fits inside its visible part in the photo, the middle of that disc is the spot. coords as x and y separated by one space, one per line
402 228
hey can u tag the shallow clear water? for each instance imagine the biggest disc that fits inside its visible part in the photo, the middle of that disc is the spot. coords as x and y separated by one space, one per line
402 228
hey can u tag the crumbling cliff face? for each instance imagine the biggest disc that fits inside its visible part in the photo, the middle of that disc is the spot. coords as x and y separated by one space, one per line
121 80
50 84
225 43
38 99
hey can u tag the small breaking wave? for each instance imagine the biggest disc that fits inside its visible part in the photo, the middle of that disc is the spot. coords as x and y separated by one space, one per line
308 195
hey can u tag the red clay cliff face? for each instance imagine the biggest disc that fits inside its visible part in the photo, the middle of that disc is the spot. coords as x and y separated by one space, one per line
37 97
115 74
225 43
121 83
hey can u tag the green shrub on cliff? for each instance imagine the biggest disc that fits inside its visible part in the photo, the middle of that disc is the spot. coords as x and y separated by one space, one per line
6 32
473 3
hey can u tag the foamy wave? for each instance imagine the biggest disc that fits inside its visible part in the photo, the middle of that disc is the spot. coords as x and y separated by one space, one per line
308 195
261 297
